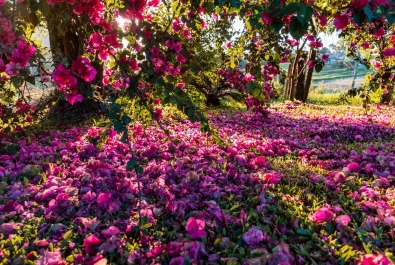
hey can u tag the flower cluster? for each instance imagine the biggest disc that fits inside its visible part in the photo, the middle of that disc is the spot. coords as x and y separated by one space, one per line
67 80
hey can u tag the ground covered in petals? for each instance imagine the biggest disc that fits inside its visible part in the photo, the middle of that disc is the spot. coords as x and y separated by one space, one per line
304 185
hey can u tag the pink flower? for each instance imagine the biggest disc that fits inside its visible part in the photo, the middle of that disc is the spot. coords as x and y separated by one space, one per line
381 2
358 137
133 65
173 45
284 59
83 69
93 132
195 228
253 236
111 231
50 258
147 34
357 4
343 219
104 199
341 21
325 57
323 214
385 91
181 85
259 160
157 115
63 78
322 18
74 97
310 64
374 259
90 243
181 58
379 32
174 249
177 261
389 52
353 167
365 45
310 37
282 255
153 3
2 66
271 178
248 77
228 45
266 18
293 42
157 101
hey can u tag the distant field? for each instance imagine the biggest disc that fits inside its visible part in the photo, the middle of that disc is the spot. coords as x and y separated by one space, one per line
332 74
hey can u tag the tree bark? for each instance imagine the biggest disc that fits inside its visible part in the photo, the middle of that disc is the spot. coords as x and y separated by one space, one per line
309 76
301 77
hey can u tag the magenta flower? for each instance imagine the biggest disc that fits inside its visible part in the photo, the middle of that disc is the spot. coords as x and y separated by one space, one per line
323 214
343 219
50 258
389 52
181 85
111 231
90 243
353 167
325 57
365 45
74 97
177 261
174 249
63 78
83 69
259 160
357 4
104 199
374 259
341 21
195 228
282 255
253 236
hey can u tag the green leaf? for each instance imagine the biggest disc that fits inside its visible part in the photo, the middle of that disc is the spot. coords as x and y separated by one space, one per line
139 170
291 8
70 259
359 18
368 12
276 26
296 29
304 14
114 107
119 127
131 164
304 232
318 67
44 7
16 81
126 119
31 79
235 3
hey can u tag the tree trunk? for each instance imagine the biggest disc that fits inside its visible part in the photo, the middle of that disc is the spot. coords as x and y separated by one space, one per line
309 76
69 41
300 80
288 83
